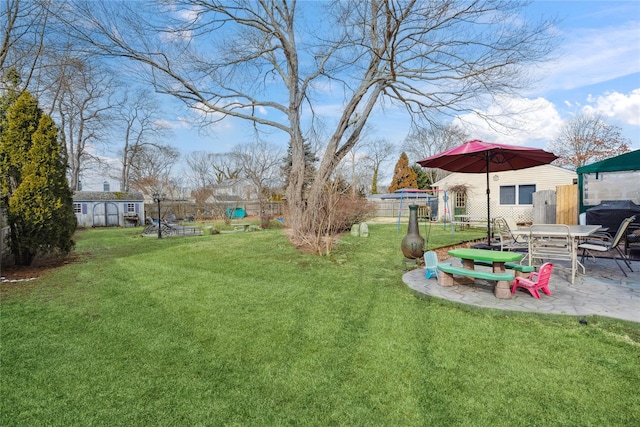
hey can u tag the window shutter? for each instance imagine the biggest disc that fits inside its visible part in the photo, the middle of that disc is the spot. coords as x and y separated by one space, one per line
84 208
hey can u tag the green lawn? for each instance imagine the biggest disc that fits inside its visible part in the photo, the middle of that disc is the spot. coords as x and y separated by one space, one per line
241 329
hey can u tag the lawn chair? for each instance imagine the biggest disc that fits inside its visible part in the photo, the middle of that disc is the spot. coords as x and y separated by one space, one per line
539 280
430 264
506 240
609 245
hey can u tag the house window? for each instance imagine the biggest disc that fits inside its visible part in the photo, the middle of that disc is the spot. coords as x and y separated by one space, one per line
517 194
525 194
507 194
131 207
77 208
105 186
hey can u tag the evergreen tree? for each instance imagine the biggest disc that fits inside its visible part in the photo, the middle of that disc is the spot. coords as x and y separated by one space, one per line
421 177
310 161
33 187
403 175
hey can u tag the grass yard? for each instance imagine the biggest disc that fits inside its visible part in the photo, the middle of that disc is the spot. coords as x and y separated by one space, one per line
241 329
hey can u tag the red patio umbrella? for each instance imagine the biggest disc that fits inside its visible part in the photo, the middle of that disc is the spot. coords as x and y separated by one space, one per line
478 156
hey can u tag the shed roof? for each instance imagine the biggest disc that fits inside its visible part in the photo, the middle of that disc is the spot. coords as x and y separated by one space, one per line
624 162
107 196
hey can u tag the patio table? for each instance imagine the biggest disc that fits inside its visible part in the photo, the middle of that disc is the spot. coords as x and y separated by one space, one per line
465 221
573 233
497 258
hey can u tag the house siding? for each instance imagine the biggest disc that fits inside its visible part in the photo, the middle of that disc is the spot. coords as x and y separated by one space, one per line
546 177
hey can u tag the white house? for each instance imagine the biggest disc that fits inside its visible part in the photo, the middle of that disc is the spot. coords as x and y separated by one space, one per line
233 190
107 209
511 192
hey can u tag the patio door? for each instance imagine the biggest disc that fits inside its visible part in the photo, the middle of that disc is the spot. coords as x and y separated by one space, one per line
459 203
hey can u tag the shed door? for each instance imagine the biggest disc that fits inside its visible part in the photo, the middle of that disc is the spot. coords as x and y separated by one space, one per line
105 214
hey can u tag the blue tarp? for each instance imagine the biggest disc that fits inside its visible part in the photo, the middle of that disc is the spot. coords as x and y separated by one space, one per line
236 213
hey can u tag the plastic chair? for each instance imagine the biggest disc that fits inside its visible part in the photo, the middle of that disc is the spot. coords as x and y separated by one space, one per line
539 280
431 264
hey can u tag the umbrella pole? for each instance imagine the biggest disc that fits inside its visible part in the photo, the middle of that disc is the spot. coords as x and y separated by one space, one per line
488 206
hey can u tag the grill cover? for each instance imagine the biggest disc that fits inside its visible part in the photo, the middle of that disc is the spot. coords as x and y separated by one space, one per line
611 213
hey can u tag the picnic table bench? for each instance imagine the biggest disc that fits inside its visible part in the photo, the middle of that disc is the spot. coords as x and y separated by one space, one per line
521 270
241 227
448 279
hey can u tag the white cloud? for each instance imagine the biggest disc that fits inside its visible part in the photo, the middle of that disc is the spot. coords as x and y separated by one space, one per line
594 55
188 14
522 121
617 106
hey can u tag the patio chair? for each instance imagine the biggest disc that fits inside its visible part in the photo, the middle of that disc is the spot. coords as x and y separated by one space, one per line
430 264
506 240
537 281
610 245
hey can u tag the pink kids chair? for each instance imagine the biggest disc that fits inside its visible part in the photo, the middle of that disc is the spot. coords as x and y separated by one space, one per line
536 281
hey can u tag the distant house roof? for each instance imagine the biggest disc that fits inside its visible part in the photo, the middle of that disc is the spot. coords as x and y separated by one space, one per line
106 196
224 198
624 162
407 193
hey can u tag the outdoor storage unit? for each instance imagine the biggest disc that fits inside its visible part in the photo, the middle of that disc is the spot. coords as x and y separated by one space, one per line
615 178
611 213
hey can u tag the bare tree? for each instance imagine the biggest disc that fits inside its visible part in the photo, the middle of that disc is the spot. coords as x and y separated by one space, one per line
355 167
587 138
200 173
264 62
379 151
23 36
151 170
138 117
79 95
422 142
225 167
260 163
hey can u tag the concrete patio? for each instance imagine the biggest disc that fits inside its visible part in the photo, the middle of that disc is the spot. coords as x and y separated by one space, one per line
602 291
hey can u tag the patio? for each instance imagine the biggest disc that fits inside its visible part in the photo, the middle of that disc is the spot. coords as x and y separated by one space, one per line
602 291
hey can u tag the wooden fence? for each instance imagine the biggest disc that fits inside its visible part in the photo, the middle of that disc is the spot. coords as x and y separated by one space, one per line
567 204
185 209
391 207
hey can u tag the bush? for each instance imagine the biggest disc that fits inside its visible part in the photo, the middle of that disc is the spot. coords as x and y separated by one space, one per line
340 210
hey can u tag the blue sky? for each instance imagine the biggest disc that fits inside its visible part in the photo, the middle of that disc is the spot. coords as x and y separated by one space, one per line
597 69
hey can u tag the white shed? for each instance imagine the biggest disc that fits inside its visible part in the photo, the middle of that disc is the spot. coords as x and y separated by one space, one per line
108 209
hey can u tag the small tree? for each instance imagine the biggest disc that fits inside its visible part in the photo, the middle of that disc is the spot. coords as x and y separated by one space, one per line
403 175
35 190
587 138
422 178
